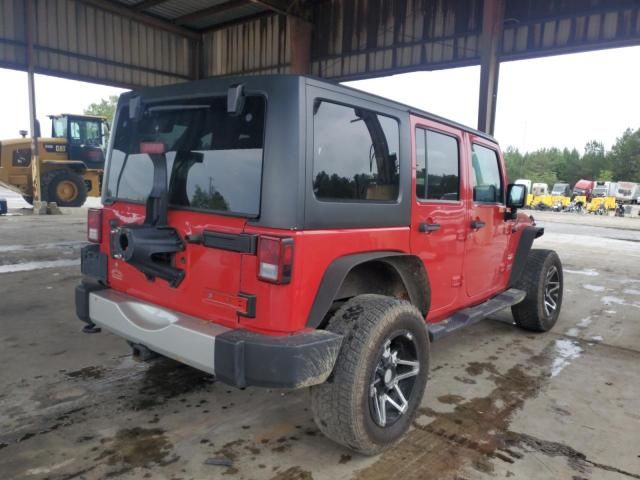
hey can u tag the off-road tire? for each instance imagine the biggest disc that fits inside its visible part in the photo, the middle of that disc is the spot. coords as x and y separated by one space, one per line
530 314
53 179
341 406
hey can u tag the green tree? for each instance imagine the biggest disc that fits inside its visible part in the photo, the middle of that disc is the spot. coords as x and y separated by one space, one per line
211 200
551 165
605 175
593 160
514 161
625 156
105 108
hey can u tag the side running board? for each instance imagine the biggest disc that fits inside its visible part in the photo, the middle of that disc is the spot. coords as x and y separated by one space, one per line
472 315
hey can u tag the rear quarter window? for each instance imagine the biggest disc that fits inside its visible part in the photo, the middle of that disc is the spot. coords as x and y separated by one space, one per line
355 154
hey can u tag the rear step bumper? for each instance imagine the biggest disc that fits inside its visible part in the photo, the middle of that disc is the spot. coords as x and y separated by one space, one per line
236 357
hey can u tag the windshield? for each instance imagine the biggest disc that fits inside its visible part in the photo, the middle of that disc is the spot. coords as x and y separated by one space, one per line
214 158
59 127
559 189
85 132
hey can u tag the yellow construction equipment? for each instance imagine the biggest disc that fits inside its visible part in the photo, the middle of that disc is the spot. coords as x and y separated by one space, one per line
601 204
71 161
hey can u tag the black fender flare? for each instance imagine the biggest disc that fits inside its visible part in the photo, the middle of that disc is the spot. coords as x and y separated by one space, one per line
529 234
409 268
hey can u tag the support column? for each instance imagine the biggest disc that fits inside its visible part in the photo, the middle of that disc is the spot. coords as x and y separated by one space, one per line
300 41
490 46
39 207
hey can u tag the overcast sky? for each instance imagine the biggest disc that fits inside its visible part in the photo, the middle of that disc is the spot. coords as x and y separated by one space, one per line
561 101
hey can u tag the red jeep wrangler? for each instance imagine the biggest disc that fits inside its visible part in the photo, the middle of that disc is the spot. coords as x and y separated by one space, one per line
283 231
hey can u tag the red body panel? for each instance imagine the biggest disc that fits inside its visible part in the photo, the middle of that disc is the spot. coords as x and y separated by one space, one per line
486 257
210 288
465 266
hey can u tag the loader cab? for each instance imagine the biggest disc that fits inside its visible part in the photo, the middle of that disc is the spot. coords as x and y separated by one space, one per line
85 135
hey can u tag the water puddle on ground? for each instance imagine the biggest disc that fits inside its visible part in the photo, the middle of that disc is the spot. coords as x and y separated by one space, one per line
611 300
476 433
40 246
580 326
565 352
28 266
589 272
594 288
585 322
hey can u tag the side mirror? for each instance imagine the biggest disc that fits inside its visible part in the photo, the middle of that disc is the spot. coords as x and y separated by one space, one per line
516 196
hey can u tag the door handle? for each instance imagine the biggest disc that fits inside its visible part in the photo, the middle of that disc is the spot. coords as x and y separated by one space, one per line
476 224
428 227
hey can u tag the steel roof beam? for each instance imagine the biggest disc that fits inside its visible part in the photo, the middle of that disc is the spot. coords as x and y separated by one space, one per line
210 11
280 7
146 4
120 9
490 48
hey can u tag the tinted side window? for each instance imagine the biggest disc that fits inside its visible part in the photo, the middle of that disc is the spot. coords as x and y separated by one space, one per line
355 154
485 173
437 166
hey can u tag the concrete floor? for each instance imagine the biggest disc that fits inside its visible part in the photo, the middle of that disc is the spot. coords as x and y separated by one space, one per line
500 403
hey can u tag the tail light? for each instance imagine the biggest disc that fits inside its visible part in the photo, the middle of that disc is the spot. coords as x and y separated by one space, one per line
275 259
94 225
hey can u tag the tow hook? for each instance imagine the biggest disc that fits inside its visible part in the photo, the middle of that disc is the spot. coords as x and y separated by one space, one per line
91 328
142 353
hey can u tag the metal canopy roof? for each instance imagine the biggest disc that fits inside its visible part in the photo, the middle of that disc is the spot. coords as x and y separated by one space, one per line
137 43
199 15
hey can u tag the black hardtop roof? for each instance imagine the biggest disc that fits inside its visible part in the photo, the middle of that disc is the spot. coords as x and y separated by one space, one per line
201 85
393 104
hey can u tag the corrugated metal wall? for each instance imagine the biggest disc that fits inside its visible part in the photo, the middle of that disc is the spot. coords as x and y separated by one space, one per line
12 39
253 47
76 40
365 38
351 38
533 29
370 37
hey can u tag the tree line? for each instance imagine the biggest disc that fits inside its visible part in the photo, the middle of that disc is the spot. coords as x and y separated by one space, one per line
551 165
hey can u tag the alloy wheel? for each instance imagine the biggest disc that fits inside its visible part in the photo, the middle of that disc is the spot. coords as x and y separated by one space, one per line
551 290
393 379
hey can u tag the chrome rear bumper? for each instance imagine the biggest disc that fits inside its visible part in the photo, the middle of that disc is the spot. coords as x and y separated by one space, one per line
184 338
234 356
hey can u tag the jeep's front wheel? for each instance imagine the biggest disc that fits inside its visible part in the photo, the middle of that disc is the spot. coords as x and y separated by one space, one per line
542 279
380 375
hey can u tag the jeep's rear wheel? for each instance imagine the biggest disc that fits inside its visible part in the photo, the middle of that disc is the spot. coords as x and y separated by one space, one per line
380 375
543 281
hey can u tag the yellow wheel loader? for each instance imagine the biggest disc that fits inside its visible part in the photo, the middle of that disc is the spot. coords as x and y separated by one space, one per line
71 161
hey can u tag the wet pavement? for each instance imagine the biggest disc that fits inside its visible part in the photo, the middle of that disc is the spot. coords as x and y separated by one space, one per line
500 403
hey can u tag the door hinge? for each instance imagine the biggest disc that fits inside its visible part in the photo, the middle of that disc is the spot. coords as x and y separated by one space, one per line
456 281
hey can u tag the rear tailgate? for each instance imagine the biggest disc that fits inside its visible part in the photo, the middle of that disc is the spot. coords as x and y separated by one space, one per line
211 283
191 172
